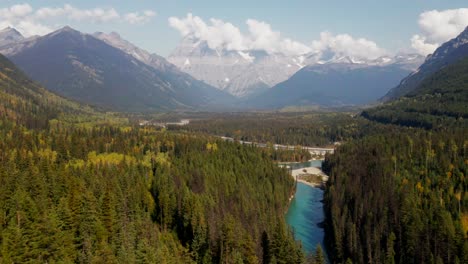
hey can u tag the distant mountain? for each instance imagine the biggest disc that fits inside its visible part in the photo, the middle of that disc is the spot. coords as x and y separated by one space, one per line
240 73
90 70
440 100
9 35
153 60
27 103
340 82
447 54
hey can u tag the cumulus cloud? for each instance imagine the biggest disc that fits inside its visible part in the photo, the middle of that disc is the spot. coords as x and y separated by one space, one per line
137 18
422 45
346 45
218 34
260 36
97 15
224 35
16 11
21 18
438 27
34 22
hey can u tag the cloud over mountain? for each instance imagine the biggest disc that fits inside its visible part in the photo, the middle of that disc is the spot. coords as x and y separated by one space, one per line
260 36
438 27
346 45
30 21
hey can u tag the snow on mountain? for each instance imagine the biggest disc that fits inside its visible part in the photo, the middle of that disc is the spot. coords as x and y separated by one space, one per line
246 73
9 35
154 60
90 70
241 73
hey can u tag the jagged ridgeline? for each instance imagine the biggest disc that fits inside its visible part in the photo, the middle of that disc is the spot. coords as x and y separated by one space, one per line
29 104
120 194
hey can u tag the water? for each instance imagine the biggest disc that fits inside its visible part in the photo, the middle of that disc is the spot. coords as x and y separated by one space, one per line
306 212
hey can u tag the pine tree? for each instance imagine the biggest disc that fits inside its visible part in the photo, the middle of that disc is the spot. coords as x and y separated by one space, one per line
319 256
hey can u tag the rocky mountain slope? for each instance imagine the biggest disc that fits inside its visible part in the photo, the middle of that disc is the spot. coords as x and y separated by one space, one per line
247 74
447 54
9 35
87 69
339 82
242 74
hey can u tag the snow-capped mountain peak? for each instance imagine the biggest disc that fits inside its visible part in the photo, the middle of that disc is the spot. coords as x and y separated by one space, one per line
9 35
241 73
245 73
115 40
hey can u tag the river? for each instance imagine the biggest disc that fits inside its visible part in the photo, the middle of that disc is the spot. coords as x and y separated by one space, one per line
306 212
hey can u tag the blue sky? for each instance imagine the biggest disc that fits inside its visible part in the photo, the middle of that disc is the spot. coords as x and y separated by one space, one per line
389 24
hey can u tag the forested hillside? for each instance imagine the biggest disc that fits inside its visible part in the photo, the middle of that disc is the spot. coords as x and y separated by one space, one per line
111 195
400 196
86 69
444 56
75 189
306 129
29 104
440 101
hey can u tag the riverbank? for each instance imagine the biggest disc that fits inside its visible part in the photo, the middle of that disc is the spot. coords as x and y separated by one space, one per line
305 211
311 176
305 215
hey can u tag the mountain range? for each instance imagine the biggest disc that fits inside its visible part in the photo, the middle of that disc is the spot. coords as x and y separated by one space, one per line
439 101
242 74
448 53
338 83
88 69
10 35
250 74
106 70
25 102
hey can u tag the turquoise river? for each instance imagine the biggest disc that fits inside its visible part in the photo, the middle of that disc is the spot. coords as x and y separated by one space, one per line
305 212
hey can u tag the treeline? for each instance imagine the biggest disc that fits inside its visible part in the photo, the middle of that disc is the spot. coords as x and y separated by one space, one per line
136 195
283 155
306 129
399 198
398 194
81 186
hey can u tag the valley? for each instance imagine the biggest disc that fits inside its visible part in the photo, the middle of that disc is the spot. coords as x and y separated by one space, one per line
240 145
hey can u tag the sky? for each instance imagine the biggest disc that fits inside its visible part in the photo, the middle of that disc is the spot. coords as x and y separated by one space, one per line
360 28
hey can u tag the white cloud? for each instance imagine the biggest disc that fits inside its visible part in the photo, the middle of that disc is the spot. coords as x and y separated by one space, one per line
260 36
218 35
422 46
224 35
16 12
346 45
438 27
264 38
34 22
96 15
137 18
21 18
